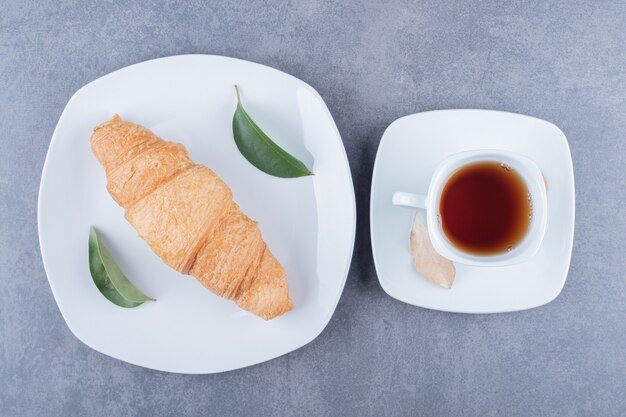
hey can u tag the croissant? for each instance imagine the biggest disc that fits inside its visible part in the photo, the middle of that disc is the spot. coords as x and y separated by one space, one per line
187 215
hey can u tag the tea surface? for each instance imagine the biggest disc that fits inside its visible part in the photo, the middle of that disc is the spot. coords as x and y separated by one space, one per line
485 208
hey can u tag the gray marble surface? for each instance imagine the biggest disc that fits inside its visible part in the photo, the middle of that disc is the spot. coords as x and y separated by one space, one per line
372 62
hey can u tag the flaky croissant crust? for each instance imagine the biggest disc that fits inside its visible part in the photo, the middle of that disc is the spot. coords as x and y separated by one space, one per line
187 215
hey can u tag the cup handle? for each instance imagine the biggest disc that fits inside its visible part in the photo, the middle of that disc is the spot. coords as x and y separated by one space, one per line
409 200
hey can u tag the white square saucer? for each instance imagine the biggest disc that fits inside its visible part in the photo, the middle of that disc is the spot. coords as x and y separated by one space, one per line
408 153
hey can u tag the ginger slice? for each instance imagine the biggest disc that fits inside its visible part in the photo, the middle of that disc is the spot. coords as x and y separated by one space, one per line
426 260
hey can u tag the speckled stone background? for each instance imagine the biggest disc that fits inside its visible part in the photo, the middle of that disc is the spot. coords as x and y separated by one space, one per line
372 62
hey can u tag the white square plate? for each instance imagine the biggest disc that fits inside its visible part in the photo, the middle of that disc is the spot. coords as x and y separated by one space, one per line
309 223
410 150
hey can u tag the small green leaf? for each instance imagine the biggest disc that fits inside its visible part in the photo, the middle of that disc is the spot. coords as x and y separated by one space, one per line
109 278
260 150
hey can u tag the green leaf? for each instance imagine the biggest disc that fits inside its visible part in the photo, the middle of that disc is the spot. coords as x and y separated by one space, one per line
109 278
260 150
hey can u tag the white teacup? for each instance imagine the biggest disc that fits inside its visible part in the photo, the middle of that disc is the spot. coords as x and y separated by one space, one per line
530 174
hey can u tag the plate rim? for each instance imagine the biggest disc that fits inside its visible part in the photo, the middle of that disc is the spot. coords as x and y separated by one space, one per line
571 227
353 211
